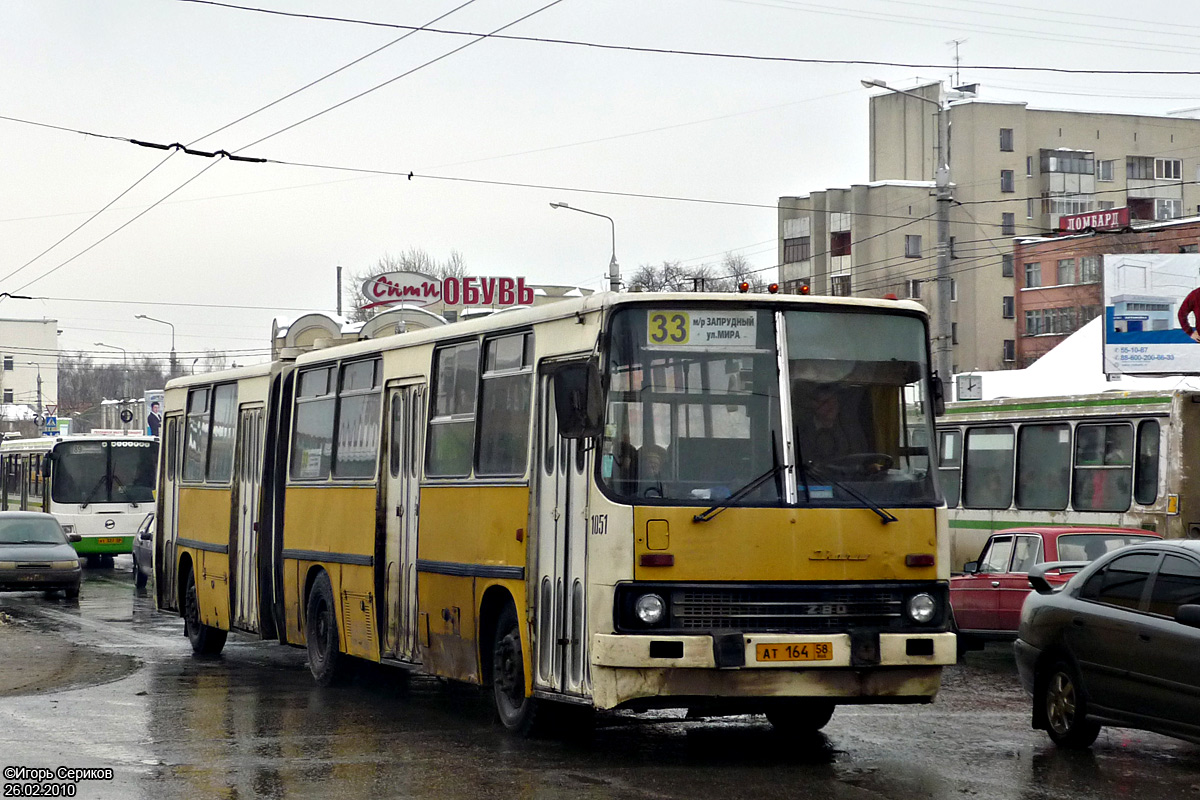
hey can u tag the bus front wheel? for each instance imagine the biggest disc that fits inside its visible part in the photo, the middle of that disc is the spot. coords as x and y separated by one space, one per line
206 640
518 713
325 659
800 716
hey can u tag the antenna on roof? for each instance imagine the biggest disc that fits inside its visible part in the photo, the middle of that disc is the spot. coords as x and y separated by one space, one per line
957 60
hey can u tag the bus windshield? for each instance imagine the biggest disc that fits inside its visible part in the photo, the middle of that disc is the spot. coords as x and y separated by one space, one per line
695 407
119 471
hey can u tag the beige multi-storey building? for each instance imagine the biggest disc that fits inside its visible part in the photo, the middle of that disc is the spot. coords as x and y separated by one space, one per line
1015 170
28 350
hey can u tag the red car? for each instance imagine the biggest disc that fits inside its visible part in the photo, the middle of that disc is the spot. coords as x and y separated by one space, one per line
986 600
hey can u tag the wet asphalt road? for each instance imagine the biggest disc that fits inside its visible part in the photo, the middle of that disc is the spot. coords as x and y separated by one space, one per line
252 724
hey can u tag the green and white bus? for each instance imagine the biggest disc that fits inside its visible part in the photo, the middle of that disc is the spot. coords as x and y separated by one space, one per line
99 486
1116 458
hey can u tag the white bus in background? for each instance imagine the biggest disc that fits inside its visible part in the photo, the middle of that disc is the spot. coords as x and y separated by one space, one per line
99 486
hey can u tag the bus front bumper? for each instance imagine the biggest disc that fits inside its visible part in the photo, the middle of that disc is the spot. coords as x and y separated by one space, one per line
103 545
871 668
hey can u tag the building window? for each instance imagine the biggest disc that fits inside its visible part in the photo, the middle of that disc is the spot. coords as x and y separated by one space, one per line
1105 205
1008 224
8 395
1087 314
1006 265
797 249
1189 248
1033 275
1007 181
953 333
8 363
912 246
1010 349
1170 169
1072 162
1029 208
1104 170
1006 140
953 254
1139 168
1167 208
839 243
1007 307
914 289
953 290
1028 166
1089 269
840 286
1066 271
1033 323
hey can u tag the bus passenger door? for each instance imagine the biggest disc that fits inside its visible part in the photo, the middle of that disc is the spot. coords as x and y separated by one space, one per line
561 502
248 466
168 524
402 481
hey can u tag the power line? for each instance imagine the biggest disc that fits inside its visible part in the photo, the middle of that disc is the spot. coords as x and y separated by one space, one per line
697 53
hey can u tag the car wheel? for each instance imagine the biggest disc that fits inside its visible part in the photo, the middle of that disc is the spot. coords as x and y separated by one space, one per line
93 560
517 712
325 659
71 592
206 640
799 717
1061 697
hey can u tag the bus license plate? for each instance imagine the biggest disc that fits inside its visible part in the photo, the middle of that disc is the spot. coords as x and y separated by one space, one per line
809 651
109 540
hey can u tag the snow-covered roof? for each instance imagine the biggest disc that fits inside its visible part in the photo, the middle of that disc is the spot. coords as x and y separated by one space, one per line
16 412
1075 366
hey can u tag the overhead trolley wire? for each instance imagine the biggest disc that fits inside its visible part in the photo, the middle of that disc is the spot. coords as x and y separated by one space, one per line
701 53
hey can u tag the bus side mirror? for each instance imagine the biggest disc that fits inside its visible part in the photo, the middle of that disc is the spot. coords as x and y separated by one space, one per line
46 467
578 400
937 390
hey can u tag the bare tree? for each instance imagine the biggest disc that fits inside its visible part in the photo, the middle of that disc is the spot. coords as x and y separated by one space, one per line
672 276
414 259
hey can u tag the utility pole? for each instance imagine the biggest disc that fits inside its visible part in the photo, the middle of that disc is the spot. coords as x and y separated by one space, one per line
944 353
339 290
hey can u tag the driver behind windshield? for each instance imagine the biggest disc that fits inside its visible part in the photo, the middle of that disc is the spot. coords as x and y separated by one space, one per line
831 430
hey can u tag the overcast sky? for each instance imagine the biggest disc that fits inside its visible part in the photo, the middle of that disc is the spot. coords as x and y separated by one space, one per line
259 240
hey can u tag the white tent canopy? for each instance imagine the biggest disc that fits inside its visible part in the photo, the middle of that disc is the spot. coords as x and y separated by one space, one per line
1073 367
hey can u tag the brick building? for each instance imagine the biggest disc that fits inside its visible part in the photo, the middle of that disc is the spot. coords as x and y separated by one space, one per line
1058 280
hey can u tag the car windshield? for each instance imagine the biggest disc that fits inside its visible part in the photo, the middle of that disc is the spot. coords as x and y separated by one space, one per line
1090 546
31 531
120 471
694 407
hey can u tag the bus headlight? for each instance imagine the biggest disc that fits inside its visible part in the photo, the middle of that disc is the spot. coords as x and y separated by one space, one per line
649 609
921 608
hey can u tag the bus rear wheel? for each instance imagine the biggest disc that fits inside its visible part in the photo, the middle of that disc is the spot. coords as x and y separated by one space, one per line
326 661
800 716
517 712
206 640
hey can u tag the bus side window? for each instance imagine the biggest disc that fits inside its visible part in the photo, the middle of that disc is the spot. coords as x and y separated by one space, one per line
988 467
1044 466
950 464
1145 490
1103 463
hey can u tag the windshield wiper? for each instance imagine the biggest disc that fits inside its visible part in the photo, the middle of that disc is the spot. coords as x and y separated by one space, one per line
884 515
121 485
720 506
87 499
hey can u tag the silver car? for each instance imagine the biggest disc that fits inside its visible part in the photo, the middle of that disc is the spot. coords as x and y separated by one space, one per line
143 552
35 554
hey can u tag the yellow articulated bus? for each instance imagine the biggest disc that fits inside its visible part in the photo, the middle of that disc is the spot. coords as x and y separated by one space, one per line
724 503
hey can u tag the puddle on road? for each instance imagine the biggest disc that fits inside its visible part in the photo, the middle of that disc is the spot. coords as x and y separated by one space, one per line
36 662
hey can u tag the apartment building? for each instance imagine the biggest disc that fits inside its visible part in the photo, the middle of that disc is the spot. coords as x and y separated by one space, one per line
1015 170
28 349
1059 285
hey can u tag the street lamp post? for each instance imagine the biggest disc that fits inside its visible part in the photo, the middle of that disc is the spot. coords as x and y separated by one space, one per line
943 353
614 272
164 322
125 362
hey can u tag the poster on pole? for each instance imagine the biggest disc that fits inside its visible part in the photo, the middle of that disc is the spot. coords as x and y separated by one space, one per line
154 403
1151 312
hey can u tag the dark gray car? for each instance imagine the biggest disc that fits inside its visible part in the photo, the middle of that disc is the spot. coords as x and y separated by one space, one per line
1118 645
35 554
